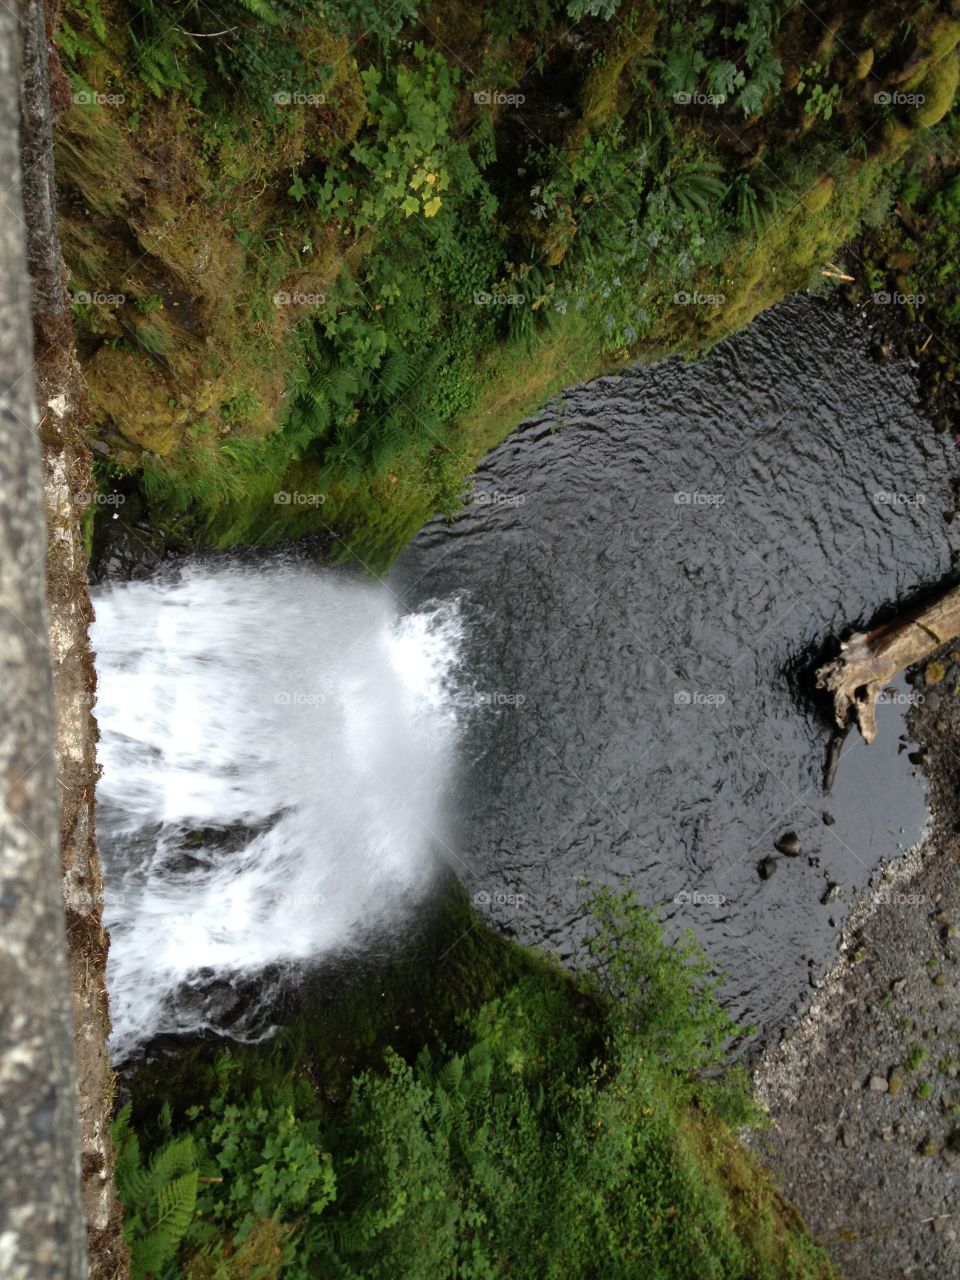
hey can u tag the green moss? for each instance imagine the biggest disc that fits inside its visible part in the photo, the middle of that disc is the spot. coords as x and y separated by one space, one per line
864 64
820 194
939 88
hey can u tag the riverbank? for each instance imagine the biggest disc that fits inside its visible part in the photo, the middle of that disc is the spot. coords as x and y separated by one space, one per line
863 1093
291 321
461 1087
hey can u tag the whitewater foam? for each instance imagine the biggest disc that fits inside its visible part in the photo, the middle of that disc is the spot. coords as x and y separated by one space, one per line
275 743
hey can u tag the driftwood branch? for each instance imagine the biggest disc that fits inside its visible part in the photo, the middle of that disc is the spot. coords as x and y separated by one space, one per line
869 660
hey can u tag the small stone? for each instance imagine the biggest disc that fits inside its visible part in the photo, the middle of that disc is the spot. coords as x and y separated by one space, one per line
897 985
833 894
877 1084
928 1148
933 700
895 1082
934 672
939 980
789 844
886 1135
767 866
828 819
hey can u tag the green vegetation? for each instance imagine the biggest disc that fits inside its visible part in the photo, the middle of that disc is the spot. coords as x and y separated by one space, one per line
338 249
915 1057
559 1129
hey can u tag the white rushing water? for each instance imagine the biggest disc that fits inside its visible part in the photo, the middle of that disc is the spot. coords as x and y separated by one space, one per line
300 724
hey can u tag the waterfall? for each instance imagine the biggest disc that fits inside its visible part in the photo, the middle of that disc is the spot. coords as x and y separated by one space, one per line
275 745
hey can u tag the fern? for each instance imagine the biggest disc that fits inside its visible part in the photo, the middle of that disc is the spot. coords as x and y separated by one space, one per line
159 1198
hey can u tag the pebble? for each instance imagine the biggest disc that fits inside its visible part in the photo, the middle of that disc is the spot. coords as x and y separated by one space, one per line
767 866
828 819
833 894
877 1084
788 843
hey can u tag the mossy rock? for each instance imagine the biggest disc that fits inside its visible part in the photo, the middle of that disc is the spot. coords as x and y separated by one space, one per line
864 64
939 88
820 194
944 37
940 41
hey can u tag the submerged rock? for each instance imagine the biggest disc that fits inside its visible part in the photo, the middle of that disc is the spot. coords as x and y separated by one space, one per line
767 866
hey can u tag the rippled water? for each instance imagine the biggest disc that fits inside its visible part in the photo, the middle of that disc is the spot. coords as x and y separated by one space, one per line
647 574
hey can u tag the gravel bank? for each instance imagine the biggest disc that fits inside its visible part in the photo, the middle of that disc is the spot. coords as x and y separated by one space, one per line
864 1094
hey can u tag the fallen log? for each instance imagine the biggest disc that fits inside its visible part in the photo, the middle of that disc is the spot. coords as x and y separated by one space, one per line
869 660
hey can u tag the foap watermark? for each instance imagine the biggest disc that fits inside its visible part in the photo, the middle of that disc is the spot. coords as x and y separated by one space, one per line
888 898
98 499
283 299
894 98
497 498
697 99
696 498
900 698
697 299
698 698
294 98
287 498
299 698
91 98
884 499
483 299
694 898
86 298
884 299
297 899
497 698
486 898
496 98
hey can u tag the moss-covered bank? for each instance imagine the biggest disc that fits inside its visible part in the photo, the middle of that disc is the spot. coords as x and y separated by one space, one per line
323 259
467 1109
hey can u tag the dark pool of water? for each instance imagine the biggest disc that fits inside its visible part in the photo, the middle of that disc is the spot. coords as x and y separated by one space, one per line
650 572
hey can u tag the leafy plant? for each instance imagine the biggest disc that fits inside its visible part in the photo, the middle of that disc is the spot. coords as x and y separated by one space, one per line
159 1196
